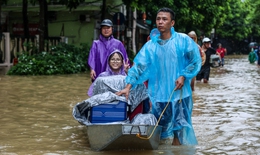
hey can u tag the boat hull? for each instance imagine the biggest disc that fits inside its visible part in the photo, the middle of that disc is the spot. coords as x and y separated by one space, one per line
123 136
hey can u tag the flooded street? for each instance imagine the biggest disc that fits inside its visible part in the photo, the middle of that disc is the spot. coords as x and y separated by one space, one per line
36 114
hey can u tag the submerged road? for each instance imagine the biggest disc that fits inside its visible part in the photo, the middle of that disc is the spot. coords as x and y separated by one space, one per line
35 114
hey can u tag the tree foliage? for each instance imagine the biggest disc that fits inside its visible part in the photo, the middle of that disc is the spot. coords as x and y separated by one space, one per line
231 18
63 59
237 24
71 4
190 14
254 16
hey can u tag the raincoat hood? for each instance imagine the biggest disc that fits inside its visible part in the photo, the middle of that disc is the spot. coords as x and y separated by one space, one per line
109 70
155 35
100 50
162 62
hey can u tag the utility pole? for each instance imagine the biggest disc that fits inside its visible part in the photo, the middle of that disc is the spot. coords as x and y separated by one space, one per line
103 15
129 30
43 31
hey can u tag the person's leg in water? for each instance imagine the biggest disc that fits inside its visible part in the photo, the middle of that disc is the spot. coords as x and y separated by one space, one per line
166 117
192 83
206 74
258 62
199 75
178 117
182 130
175 140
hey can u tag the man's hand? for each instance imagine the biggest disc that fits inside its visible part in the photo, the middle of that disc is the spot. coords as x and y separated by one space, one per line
125 91
179 82
93 74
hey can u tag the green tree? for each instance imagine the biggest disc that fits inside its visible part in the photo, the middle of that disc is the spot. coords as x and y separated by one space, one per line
71 4
254 17
203 15
190 14
238 23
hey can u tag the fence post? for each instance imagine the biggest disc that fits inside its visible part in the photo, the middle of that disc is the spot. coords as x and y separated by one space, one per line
37 42
7 50
7 54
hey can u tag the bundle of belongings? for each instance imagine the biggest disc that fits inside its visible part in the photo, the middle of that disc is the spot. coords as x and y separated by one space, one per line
107 107
214 60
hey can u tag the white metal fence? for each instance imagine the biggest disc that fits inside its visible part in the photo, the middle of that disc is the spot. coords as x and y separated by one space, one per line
11 46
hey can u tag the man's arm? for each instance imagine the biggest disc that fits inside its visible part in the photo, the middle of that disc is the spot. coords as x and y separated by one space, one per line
125 91
92 61
92 74
193 59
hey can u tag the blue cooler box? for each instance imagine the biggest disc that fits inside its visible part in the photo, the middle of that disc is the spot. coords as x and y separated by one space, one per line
106 113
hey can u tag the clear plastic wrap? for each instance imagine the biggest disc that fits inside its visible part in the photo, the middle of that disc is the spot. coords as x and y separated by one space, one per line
104 93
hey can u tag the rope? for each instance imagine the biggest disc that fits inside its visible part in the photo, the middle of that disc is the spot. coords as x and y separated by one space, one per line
146 138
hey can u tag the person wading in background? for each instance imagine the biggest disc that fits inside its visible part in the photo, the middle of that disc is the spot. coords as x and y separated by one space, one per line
205 69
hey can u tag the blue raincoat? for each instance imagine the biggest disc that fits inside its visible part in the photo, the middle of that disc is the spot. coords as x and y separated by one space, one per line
162 62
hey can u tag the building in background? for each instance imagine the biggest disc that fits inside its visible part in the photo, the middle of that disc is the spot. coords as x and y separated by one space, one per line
75 26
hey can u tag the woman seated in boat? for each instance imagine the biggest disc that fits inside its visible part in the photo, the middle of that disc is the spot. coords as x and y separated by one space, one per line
117 65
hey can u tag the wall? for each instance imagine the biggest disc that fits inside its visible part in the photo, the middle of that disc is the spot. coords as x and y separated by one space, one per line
77 32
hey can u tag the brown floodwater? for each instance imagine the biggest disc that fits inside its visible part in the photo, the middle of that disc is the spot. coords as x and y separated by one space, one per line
36 114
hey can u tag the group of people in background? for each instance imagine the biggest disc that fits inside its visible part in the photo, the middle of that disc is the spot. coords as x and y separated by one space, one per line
205 52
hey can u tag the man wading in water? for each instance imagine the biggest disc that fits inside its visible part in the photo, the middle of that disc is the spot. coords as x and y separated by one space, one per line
168 61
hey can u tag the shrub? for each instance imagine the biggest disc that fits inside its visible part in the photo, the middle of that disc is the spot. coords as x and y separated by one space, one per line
62 59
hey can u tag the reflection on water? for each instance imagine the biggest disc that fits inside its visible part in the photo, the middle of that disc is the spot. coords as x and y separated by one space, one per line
35 114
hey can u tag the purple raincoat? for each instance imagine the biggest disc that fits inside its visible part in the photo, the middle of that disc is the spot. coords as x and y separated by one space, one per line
101 49
109 71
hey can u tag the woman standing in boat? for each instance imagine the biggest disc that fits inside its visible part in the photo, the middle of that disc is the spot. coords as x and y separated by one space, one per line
168 61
